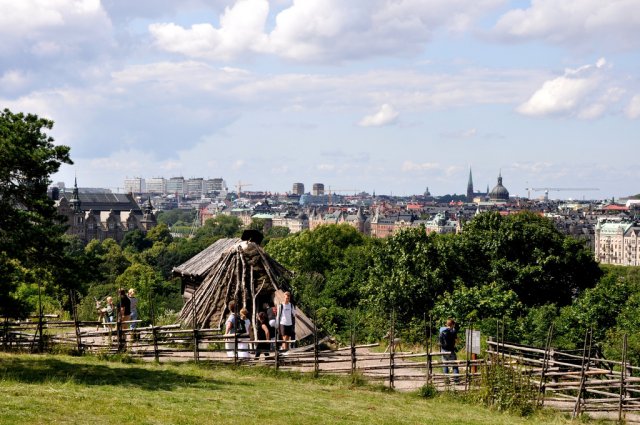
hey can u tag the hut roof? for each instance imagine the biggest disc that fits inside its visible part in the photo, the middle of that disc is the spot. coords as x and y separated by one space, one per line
200 264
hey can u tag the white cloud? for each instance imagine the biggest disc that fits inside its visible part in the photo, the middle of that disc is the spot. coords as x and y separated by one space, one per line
241 30
46 27
463 134
238 164
386 115
322 30
633 108
408 166
575 23
585 92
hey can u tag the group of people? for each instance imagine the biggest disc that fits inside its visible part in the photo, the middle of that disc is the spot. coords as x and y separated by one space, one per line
125 311
270 322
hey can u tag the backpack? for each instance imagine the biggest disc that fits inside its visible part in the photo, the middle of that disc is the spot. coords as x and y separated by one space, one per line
240 325
447 339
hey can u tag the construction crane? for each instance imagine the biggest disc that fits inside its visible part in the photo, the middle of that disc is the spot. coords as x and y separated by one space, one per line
330 191
557 189
240 185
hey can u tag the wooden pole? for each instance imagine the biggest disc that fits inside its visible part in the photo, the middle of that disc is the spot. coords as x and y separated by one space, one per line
545 366
429 357
276 358
623 370
74 312
353 347
194 308
154 334
577 407
391 350
469 350
316 365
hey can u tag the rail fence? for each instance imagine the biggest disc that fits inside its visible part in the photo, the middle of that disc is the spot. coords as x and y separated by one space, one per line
578 382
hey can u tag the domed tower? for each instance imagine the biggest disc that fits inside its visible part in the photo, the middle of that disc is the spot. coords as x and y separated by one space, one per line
499 193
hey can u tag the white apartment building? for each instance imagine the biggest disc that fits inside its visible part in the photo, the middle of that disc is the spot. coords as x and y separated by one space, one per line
157 185
617 242
135 185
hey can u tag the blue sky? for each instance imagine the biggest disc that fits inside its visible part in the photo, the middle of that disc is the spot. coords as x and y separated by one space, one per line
384 95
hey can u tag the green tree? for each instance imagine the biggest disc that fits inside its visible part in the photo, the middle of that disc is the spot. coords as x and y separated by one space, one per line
527 254
136 240
410 271
316 251
30 235
221 226
160 233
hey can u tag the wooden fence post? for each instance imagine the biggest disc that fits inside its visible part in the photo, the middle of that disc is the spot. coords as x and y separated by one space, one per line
392 350
428 347
623 370
316 366
74 312
154 334
577 409
196 353
277 352
545 366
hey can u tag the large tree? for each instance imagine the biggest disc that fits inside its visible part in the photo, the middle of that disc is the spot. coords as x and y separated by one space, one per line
524 252
30 234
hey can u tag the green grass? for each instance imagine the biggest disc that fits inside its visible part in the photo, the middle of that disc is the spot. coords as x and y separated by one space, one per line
48 389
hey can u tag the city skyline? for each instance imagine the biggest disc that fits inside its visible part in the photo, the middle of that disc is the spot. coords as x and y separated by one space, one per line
376 95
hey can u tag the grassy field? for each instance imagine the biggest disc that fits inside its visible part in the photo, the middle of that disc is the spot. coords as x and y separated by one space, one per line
51 389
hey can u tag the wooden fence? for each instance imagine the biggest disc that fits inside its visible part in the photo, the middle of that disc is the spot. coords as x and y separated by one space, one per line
579 382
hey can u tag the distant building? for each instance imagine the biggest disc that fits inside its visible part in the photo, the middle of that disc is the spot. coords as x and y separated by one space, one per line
318 189
176 185
617 242
103 216
135 185
157 186
194 187
216 185
298 189
499 194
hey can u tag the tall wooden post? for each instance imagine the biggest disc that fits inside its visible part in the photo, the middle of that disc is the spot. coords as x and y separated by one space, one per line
392 350
429 356
316 365
545 367
74 312
623 371
196 353
577 409
154 334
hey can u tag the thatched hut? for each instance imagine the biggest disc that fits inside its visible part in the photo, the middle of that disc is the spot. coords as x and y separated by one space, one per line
233 269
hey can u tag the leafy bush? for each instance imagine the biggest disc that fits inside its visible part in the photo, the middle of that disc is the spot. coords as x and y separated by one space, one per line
507 389
427 391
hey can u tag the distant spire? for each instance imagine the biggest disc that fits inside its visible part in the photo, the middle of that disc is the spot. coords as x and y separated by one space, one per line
470 187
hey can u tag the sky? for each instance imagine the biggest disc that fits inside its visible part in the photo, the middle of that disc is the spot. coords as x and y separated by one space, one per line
391 96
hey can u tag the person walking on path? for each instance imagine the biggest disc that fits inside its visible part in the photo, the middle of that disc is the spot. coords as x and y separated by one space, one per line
447 339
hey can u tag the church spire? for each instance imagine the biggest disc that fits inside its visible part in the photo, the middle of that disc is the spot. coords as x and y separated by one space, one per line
470 187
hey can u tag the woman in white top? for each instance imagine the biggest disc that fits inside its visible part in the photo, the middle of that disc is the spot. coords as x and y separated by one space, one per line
286 321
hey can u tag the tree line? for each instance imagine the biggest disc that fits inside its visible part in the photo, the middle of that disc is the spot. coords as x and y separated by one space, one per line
517 269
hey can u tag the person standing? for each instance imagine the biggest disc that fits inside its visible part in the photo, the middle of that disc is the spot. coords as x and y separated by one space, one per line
232 327
124 315
134 307
263 335
447 338
244 328
286 320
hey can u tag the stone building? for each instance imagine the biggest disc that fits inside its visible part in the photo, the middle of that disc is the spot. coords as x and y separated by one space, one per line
617 242
103 215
